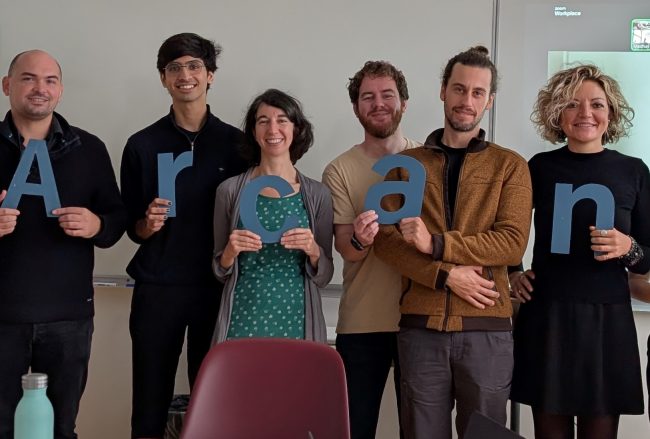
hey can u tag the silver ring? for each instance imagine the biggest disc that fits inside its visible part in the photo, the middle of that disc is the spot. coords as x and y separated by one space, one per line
603 233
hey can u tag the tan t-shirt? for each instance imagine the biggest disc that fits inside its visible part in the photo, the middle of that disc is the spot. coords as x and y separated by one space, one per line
371 289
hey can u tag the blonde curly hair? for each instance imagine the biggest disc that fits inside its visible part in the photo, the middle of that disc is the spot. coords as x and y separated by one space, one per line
560 89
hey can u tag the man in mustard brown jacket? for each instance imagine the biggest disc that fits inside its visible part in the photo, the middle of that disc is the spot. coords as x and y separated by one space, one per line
455 341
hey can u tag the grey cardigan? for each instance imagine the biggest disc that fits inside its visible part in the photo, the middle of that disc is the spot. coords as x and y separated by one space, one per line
318 202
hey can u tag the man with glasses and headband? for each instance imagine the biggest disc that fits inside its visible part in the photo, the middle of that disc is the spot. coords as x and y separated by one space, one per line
175 289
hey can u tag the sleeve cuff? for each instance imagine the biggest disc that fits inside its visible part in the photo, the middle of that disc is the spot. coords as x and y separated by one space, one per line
438 246
443 274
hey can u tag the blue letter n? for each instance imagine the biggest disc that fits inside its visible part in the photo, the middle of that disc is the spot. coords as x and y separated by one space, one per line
565 199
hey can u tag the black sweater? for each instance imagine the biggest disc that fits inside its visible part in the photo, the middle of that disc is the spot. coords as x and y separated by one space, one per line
181 252
46 275
577 276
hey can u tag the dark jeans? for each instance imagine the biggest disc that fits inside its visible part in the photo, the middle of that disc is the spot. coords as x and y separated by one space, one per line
160 315
59 349
367 358
471 369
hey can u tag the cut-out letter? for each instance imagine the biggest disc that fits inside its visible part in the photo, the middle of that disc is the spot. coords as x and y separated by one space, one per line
248 207
565 199
168 169
35 150
412 190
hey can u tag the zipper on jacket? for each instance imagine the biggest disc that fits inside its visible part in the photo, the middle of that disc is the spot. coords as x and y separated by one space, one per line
189 140
447 213
449 220
447 310
445 195
460 177
192 142
491 277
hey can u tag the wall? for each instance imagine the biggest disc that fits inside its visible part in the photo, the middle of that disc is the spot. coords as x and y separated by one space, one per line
107 50
308 48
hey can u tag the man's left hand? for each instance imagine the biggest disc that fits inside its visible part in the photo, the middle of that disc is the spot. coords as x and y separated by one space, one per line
415 232
78 221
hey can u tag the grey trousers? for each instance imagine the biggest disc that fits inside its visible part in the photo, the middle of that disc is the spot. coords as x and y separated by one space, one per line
472 369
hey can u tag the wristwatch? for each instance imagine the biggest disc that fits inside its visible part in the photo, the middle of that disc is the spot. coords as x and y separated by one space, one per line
356 243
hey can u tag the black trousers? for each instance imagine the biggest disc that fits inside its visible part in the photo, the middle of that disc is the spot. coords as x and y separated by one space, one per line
59 349
368 358
160 316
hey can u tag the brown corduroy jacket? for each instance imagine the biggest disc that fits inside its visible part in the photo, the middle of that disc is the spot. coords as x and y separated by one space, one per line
491 222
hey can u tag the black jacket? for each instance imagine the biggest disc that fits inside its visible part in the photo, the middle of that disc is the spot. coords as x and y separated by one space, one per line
46 275
181 252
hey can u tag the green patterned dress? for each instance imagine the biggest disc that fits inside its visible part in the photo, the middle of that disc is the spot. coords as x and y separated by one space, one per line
269 299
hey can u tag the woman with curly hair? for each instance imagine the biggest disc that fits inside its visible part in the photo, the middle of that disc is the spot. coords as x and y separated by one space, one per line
272 289
576 351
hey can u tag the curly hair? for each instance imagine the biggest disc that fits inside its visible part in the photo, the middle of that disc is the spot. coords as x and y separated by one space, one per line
377 69
561 88
303 134
476 56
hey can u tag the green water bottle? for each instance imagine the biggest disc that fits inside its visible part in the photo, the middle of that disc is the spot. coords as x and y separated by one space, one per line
34 417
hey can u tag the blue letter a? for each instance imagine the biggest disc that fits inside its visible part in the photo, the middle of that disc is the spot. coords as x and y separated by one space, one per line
412 190
36 149
565 199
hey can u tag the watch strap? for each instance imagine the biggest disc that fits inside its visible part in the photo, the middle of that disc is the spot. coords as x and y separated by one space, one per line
356 243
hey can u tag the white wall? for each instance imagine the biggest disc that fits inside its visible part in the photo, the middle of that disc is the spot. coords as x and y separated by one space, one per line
309 48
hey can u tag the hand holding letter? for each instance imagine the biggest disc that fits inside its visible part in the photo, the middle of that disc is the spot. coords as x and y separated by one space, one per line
366 227
239 241
302 239
78 221
610 244
8 217
415 232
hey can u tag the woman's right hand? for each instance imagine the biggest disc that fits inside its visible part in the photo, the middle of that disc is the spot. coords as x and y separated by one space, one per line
239 241
520 285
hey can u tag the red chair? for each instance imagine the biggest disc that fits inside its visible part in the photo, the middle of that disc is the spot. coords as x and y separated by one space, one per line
269 388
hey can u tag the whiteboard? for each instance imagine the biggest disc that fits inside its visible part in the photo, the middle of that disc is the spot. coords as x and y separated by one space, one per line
108 51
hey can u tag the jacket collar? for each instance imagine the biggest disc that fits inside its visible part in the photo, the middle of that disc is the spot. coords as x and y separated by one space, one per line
60 139
172 118
476 144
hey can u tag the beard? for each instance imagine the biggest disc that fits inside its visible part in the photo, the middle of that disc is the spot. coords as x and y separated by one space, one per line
463 127
38 113
384 130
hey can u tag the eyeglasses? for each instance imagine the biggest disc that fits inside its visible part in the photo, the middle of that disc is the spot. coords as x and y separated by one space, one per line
174 68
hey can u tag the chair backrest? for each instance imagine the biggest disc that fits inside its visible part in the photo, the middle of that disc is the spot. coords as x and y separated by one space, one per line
269 388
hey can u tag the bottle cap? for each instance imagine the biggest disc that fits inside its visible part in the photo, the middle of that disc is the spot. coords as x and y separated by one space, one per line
34 381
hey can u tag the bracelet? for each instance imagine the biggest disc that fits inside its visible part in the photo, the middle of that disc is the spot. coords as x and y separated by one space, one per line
356 243
633 256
